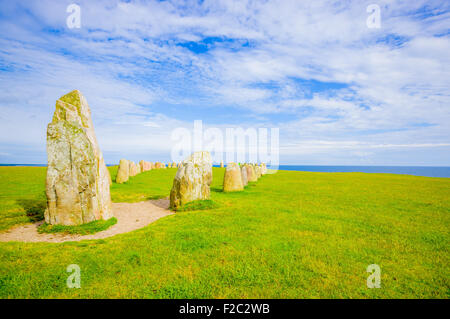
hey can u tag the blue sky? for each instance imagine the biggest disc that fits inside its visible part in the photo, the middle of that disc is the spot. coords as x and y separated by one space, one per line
340 92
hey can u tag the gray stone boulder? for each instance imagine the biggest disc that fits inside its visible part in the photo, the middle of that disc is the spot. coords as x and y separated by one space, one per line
232 180
77 183
123 172
192 180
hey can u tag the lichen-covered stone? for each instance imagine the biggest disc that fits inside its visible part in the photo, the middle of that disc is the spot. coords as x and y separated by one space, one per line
77 184
244 175
123 172
232 180
192 180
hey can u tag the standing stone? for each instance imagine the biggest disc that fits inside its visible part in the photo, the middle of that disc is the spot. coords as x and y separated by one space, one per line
221 164
244 175
109 176
77 184
232 180
192 180
142 165
258 171
132 169
251 176
123 172
263 169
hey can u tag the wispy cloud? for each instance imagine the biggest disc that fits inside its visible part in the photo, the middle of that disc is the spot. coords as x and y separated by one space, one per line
312 68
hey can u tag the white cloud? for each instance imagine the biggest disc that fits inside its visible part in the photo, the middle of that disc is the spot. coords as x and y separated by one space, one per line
126 60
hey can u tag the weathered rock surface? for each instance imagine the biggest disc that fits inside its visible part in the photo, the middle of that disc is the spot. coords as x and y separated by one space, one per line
232 180
244 175
123 172
192 180
77 184
251 174
133 171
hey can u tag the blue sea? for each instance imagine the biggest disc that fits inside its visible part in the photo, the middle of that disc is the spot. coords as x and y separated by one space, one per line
431 171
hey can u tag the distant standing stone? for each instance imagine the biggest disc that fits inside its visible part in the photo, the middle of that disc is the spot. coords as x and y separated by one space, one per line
263 169
251 175
244 175
221 164
257 171
192 180
77 184
232 180
123 172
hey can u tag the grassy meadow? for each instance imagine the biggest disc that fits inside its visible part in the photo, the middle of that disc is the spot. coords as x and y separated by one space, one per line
290 235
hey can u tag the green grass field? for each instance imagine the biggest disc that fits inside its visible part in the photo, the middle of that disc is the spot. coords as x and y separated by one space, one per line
290 235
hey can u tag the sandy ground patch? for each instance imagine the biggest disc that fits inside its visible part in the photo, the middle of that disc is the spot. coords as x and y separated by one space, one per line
130 216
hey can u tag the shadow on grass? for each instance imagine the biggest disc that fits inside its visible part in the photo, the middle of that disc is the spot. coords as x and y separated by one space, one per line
84 229
34 208
155 197
217 189
198 205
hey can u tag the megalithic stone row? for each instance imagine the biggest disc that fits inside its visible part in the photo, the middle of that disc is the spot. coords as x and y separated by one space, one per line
232 180
77 183
244 175
192 180
123 172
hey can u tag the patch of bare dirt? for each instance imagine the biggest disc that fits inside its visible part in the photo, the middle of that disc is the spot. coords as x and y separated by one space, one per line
130 216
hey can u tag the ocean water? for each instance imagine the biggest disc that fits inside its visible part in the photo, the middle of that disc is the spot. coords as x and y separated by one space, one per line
431 171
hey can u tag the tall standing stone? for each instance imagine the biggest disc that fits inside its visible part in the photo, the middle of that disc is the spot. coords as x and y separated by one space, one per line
192 180
123 172
232 180
77 184
221 164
